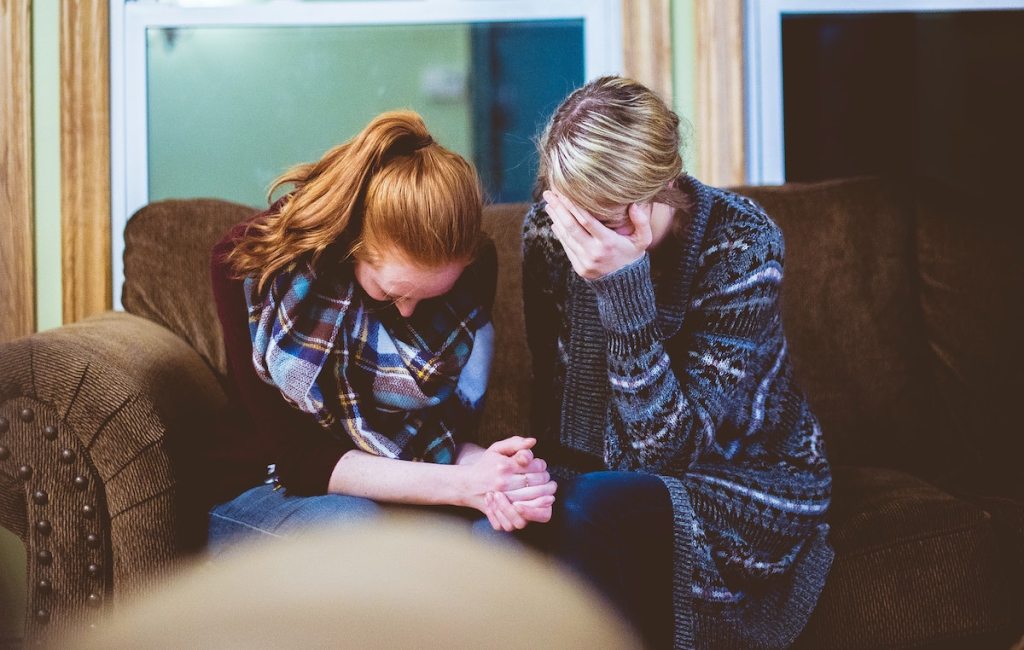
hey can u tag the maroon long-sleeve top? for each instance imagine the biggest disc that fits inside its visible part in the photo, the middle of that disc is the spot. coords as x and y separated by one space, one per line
265 428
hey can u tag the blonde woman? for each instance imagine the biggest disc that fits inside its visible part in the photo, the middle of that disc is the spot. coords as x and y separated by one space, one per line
355 315
696 480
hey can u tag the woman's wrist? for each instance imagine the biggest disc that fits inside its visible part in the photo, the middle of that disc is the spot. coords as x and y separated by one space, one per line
461 487
625 298
358 473
467 453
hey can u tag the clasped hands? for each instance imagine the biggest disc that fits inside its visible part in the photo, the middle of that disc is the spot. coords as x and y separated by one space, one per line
509 485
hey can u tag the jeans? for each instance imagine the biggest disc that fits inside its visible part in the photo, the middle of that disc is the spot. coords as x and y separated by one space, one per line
615 529
263 512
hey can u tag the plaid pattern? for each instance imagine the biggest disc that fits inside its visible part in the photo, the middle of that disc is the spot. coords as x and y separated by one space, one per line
398 387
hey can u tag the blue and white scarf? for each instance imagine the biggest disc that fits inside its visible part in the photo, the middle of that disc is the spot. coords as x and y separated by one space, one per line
403 388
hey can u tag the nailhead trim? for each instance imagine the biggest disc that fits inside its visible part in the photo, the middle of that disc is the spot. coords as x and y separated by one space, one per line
67 456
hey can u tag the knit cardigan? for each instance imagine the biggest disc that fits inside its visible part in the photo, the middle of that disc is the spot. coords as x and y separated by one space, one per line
688 378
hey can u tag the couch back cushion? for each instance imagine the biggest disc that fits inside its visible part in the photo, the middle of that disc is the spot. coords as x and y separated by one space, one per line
972 294
508 397
851 316
167 247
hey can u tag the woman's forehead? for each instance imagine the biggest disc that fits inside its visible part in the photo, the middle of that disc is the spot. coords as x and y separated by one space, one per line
400 277
603 213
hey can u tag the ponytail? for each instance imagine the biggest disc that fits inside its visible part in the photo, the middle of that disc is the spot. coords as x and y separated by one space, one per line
327 204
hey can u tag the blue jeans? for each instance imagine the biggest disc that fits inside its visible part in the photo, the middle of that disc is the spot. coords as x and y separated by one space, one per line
263 512
615 529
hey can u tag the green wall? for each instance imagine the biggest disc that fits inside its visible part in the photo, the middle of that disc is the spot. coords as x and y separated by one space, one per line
684 69
46 157
223 102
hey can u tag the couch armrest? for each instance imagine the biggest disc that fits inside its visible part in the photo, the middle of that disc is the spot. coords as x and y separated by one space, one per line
91 418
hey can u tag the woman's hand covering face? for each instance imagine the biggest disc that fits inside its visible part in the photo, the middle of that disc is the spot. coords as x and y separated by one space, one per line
594 249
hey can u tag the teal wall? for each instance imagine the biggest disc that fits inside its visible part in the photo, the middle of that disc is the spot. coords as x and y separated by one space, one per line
684 77
46 157
223 102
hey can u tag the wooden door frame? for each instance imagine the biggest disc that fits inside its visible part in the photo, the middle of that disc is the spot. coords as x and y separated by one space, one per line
17 254
719 119
647 44
85 157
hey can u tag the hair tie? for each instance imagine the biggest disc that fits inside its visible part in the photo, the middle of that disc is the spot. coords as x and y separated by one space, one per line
410 144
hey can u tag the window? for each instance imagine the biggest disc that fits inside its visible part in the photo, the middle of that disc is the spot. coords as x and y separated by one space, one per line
219 100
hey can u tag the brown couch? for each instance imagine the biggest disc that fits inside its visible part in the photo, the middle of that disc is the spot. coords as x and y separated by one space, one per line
900 306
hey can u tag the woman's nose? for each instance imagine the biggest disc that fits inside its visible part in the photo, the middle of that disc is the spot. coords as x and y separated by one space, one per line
406 307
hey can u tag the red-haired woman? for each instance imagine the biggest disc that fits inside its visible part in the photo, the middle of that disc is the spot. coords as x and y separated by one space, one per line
355 314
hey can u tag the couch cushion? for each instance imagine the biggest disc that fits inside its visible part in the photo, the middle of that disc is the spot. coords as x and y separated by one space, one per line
508 397
851 316
913 565
167 248
972 283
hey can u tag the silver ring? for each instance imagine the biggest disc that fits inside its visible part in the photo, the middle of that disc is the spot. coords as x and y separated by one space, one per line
526 479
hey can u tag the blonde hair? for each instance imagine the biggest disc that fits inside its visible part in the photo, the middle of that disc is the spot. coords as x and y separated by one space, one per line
612 142
390 189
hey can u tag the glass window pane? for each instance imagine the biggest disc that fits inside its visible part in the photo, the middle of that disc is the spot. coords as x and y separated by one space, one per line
230 108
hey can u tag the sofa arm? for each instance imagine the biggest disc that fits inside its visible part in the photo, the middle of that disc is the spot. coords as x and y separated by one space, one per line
90 418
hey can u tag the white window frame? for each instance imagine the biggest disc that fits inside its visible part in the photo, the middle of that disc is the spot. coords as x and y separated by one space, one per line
766 154
129 160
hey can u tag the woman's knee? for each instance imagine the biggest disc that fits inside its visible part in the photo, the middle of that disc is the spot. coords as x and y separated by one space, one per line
265 512
327 510
611 499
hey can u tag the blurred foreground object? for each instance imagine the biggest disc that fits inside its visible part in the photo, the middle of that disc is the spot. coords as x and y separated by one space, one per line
398 582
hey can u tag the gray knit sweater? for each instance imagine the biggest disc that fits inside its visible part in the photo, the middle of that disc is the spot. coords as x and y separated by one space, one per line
688 378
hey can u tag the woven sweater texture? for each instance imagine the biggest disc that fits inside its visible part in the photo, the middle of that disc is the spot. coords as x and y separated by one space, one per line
687 377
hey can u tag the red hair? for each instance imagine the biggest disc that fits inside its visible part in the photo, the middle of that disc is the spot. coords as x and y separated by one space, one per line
390 189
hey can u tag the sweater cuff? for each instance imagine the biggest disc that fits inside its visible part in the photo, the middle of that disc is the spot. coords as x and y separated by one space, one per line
625 298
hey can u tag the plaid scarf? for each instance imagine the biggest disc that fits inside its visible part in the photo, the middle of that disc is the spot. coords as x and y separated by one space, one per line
398 387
